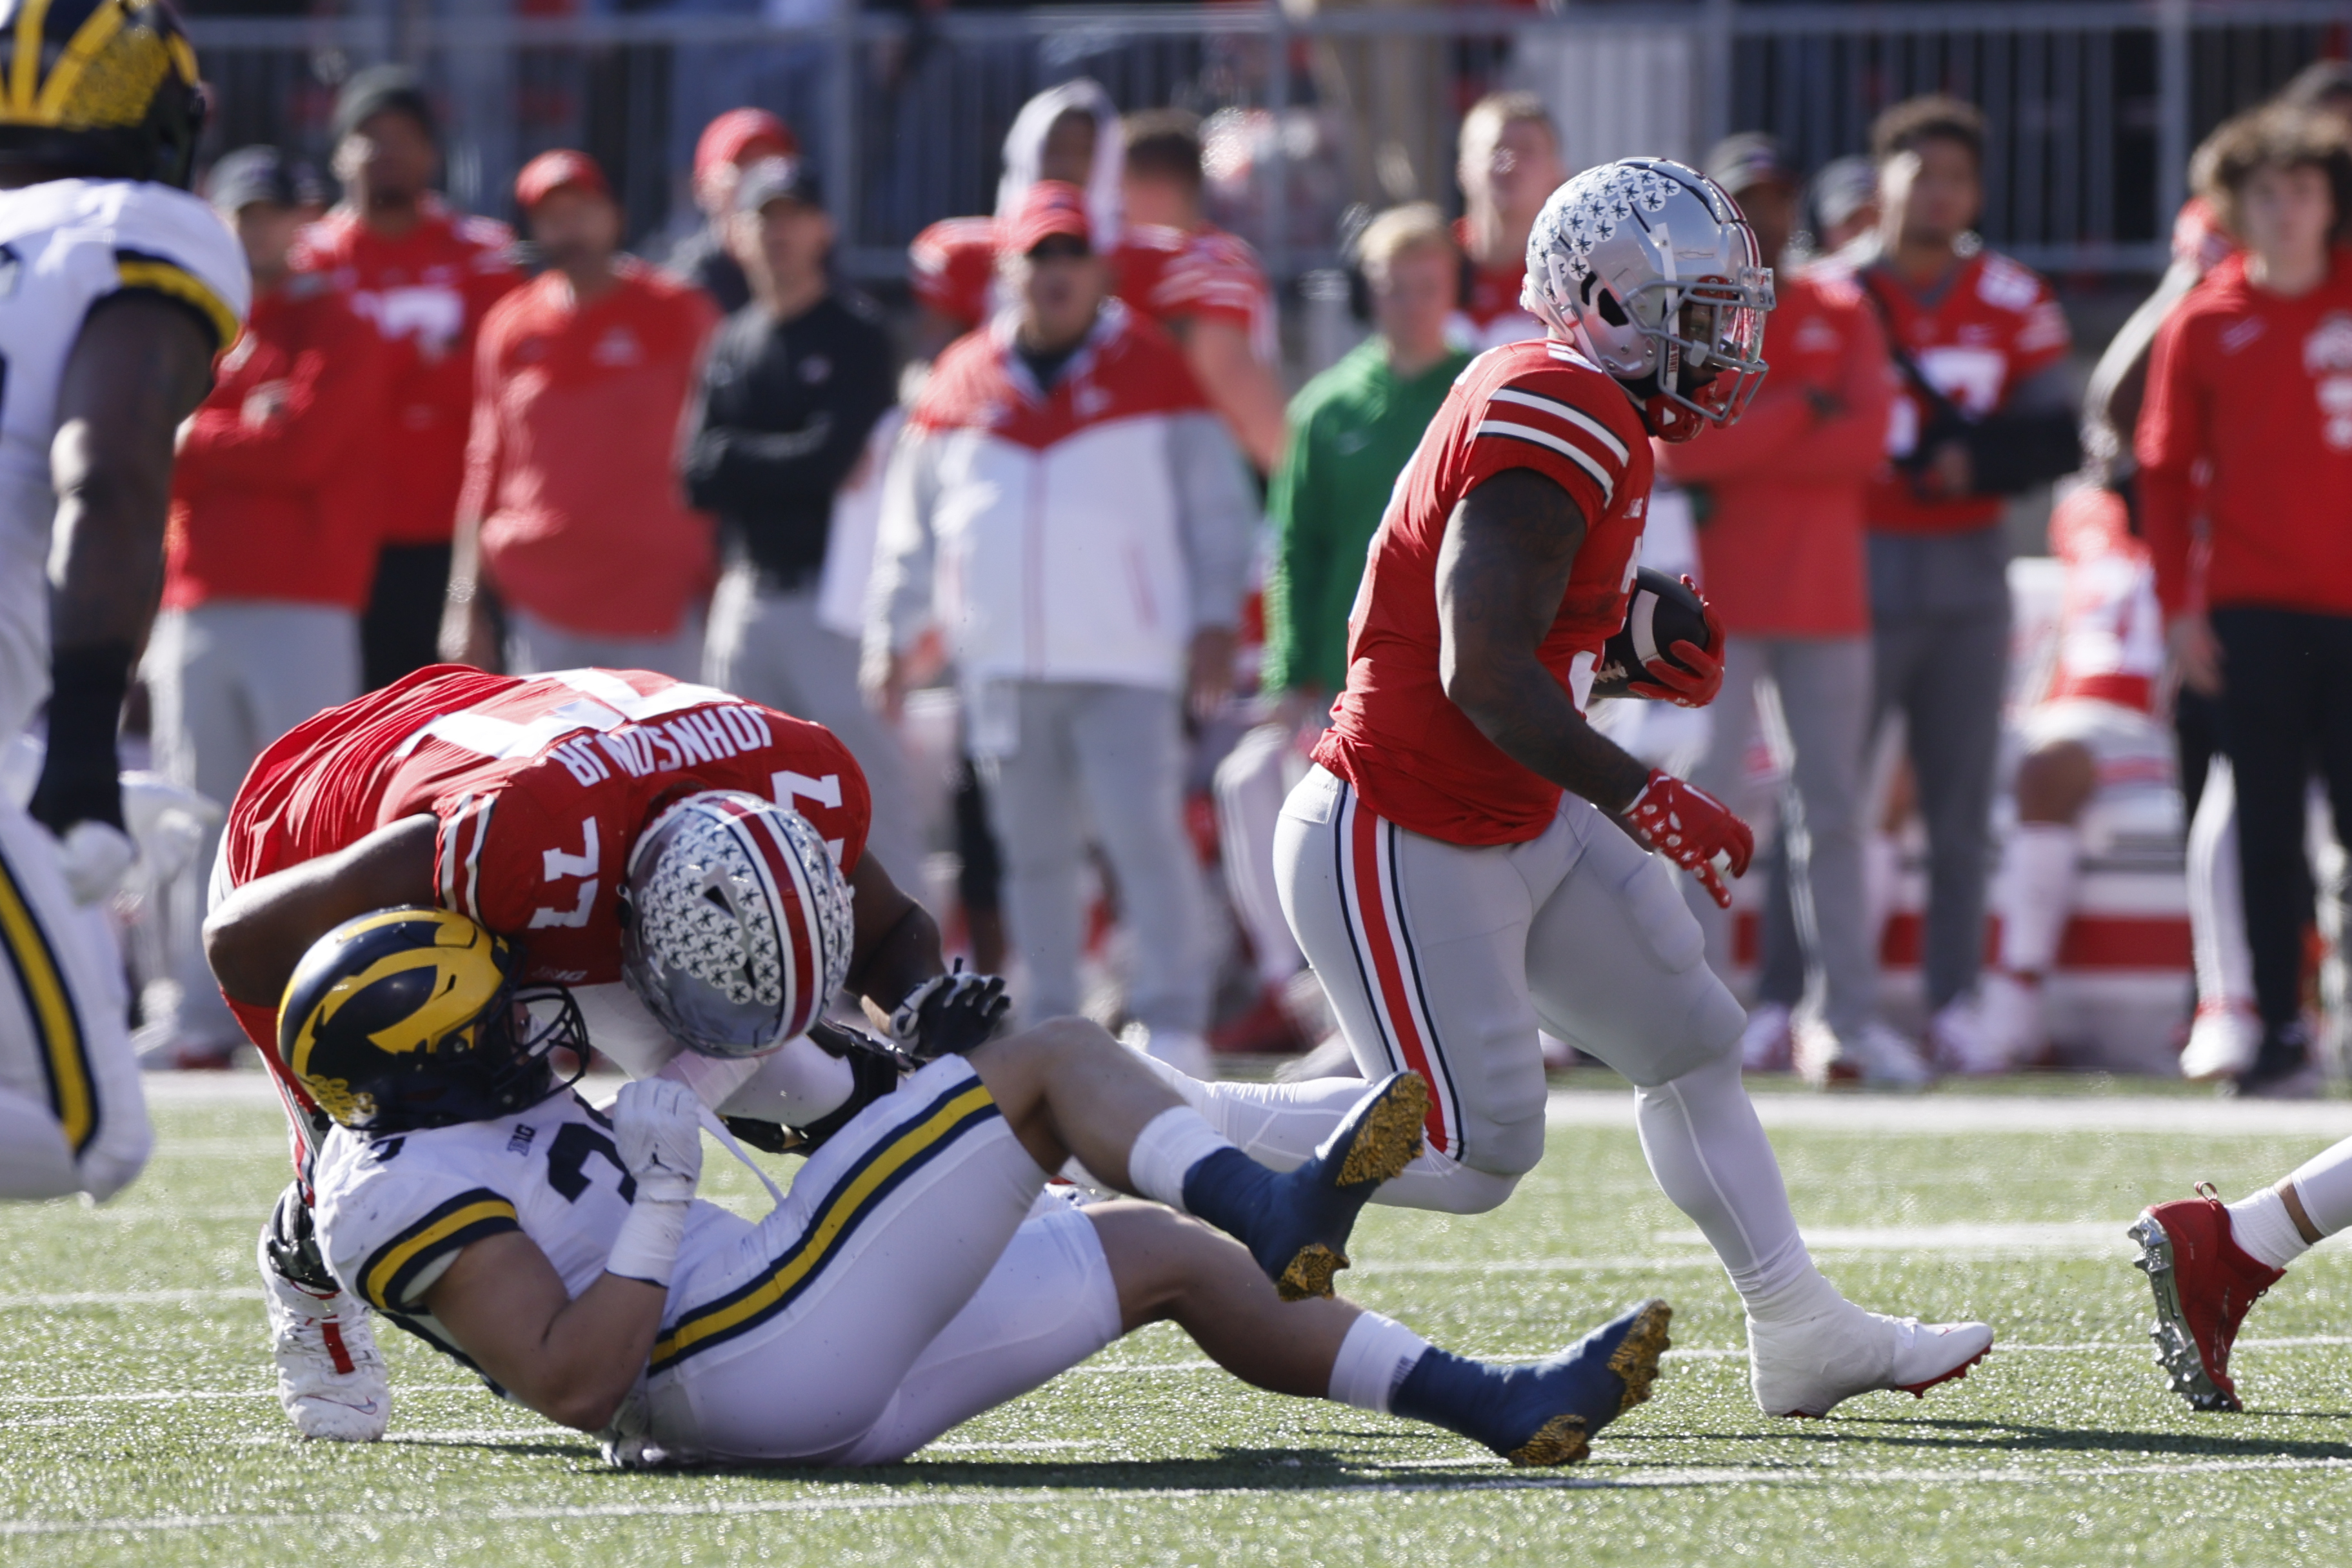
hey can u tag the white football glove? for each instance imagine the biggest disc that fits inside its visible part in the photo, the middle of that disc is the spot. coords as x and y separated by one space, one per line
657 1127
95 858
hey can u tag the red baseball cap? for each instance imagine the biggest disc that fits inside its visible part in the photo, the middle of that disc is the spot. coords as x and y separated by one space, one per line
1052 207
725 138
560 169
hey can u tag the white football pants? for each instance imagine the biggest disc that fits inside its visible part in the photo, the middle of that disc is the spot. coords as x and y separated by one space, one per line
72 1118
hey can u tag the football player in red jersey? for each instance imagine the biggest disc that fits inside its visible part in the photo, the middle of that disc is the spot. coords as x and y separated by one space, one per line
1469 862
531 806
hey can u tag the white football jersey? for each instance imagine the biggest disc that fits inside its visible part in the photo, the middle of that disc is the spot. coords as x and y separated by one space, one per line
64 245
394 1211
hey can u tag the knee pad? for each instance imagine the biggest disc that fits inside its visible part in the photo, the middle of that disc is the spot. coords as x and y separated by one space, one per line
114 1164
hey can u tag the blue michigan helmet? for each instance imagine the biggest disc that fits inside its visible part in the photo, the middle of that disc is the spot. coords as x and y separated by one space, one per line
105 88
414 1017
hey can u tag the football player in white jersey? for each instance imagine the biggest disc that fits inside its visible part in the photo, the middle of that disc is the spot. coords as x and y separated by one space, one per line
914 1277
117 287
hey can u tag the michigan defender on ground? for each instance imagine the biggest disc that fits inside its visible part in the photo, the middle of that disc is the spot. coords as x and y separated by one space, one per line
116 290
1470 861
587 813
904 1286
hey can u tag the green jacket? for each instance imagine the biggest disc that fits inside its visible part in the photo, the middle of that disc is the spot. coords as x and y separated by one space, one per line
1353 430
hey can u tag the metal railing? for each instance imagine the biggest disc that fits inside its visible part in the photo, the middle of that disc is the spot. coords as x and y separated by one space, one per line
2094 106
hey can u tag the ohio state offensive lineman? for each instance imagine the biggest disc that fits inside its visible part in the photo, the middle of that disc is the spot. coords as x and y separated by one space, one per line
1469 861
517 802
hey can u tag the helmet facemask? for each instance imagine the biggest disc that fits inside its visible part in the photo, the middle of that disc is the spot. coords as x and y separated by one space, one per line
1707 346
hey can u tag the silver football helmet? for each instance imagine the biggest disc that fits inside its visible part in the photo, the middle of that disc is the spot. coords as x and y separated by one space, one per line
1649 269
737 924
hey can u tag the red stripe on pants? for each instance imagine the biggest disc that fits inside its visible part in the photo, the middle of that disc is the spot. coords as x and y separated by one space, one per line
1387 967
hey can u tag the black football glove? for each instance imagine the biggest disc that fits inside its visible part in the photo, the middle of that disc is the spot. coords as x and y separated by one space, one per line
876 1067
950 1014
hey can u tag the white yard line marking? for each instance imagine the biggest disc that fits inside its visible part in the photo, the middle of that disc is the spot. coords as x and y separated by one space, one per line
169 1298
1934 1115
1597 1478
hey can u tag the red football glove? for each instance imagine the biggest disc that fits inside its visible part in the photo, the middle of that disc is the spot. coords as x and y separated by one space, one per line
1692 829
1693 687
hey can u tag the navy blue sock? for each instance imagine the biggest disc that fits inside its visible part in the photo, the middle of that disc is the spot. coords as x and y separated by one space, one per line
1232 1192
1453 1391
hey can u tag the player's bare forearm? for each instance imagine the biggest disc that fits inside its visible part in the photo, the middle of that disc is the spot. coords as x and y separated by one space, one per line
1241 387
896 947
1508 550
261 932
140 365
574 1360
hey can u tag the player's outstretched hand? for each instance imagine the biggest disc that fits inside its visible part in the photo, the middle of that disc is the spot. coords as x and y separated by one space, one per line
657 1127
950 1014
1693 674
1692 829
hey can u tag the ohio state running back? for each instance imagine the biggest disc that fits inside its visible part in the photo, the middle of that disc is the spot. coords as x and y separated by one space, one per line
1469 862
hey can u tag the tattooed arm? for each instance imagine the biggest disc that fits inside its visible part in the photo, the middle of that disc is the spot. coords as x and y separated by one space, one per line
1500 575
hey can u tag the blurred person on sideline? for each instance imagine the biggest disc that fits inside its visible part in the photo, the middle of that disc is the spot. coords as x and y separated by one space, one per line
728 145
1781 498
571 514
1353 430
1068 133
1984 410
271 547
1842 198
2250 382
1510 162
796 383
426 276
1205 285
1068 510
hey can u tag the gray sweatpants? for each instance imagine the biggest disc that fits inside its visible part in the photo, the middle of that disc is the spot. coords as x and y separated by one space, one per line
227 678
535 647
1081 754
1941 655
1823 685
771 648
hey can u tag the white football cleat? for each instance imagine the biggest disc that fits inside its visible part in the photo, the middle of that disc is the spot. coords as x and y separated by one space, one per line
331 1376
1767 1044
1876 1056
1958 1042
2221 1042
1809 1367
2009 1029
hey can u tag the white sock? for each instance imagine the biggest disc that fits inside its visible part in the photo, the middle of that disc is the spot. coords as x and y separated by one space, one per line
1165 1152
1710 1158
35 1161
2036 893
2263 1229
2325 1184
1373 1359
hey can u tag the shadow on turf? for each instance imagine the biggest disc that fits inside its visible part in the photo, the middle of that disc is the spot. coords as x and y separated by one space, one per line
2015 1437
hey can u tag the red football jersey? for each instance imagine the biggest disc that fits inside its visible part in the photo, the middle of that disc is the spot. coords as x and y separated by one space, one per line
2257 388
2110 632
541 785
427 292
1994 325
1206 275
1416 758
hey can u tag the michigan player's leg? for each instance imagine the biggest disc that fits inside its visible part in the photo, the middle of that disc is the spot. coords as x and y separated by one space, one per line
72 1119
2207 1263
1614 966
1073 1281
895 1224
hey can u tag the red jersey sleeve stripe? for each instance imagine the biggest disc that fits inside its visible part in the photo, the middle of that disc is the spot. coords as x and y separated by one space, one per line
1567 414
1561 445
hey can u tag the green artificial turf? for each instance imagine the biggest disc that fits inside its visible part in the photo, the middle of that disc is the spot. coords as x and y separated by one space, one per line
137 1425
